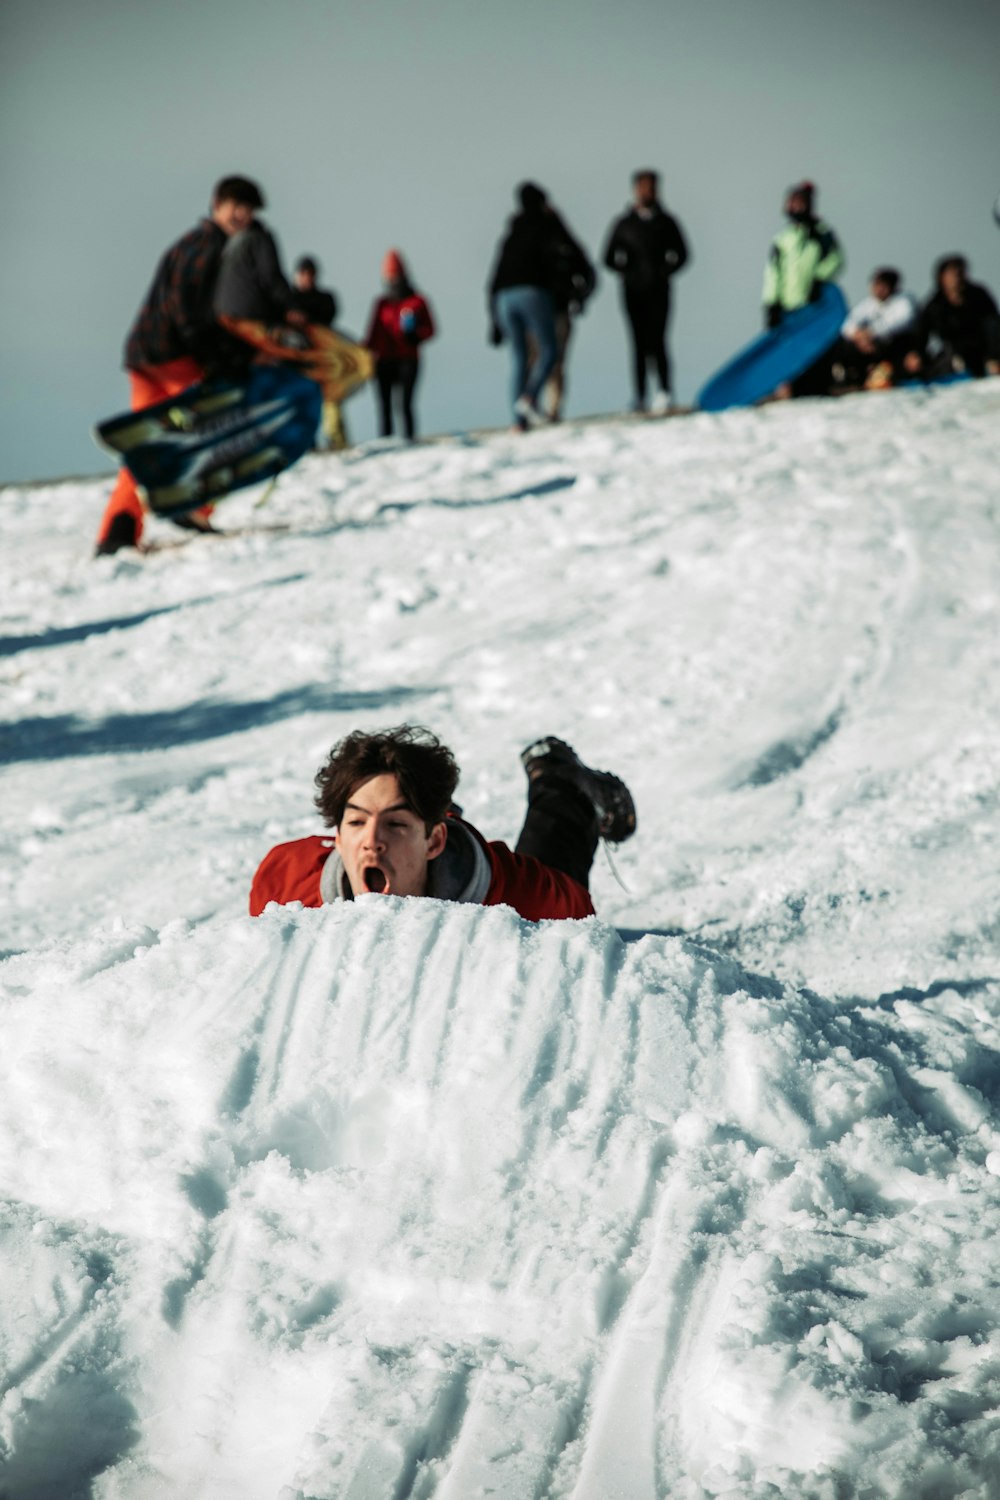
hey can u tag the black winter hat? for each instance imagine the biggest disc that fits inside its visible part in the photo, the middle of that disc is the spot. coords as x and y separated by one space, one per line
806 190
531 196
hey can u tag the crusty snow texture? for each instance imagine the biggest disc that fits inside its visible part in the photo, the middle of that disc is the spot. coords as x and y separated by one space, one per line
400 1199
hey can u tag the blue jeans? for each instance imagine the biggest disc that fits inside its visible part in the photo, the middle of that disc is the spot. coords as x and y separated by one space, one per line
521 310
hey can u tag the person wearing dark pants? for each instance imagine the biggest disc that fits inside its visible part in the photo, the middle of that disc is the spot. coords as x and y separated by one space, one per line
803 257
648 310
958 330
646 247
400 322
389 796
396 376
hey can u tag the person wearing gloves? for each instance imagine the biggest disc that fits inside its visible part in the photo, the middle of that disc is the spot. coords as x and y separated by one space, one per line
803 257
400 322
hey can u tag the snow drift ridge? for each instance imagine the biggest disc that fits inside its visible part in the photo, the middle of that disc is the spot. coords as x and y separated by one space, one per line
343 1195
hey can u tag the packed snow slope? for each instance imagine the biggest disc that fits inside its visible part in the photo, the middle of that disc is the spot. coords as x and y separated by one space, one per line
397 1199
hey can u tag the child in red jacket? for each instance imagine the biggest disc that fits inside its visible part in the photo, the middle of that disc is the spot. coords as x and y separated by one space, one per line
400 322
389 798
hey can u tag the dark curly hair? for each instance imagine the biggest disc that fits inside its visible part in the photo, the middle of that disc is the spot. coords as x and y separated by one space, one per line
238 190
425 769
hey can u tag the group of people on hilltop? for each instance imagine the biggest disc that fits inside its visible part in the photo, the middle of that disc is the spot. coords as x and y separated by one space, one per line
542 278
887 337
229 266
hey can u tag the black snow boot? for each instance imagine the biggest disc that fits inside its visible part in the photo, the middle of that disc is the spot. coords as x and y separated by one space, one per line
190 520
121 533
550 759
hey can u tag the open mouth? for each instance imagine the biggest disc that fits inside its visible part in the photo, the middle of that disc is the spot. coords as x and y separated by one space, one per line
376 880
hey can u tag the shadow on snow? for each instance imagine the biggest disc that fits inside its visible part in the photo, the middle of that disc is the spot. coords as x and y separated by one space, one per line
66 735
66 635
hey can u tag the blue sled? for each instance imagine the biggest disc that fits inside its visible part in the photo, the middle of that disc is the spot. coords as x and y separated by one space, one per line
216 437
776 356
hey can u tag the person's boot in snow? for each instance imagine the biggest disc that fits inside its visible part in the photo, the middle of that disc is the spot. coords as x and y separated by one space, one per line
552 759
121 533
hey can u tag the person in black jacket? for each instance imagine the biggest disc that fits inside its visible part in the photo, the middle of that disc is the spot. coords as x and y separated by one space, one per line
646 246
251 283
526 271
175 341
959 326
573 283
318 305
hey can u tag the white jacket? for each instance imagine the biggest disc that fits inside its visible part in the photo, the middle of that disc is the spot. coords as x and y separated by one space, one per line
883 320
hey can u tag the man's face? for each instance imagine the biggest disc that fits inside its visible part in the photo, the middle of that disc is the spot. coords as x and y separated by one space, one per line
881 289
645 190
231 216
953 282
384 845
305 279
797 206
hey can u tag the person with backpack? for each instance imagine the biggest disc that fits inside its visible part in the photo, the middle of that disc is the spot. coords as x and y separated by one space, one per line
533 261
573 283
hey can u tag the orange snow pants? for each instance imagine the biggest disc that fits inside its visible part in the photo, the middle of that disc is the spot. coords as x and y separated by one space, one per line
146 387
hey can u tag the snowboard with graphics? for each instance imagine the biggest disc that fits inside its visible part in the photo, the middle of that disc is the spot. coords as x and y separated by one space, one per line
216 437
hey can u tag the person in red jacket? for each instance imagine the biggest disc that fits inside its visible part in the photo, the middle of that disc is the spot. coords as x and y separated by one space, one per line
388 796
400 322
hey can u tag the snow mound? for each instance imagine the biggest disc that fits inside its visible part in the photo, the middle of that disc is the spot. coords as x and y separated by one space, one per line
403 1198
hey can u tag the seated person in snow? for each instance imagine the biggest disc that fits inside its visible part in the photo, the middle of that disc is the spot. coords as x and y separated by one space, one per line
388 798
959 327
875 335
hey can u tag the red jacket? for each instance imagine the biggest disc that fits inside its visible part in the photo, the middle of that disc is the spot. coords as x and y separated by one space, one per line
470 869
387 335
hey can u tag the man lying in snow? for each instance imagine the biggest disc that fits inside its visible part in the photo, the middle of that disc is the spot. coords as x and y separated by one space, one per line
388 797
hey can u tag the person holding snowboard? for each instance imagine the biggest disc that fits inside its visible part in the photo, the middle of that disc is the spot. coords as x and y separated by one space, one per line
400 322
646 247
803 257
397 832
175 340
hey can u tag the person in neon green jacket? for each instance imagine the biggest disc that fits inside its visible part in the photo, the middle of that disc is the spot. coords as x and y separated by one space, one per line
804 255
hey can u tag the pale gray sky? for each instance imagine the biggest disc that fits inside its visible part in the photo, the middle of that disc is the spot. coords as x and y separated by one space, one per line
409 122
